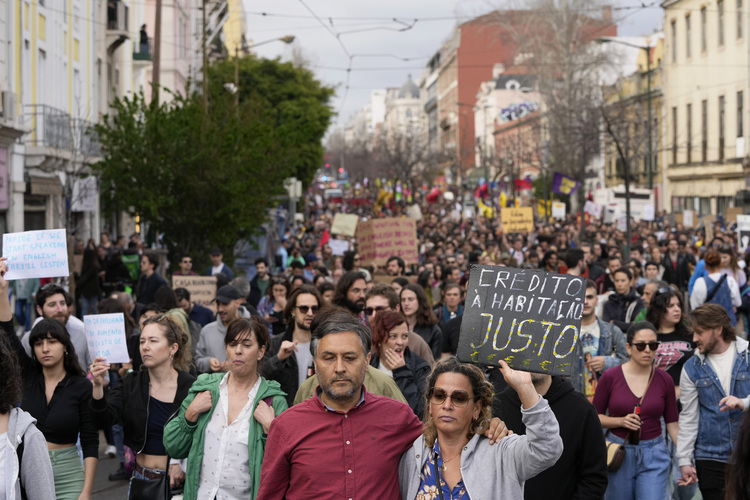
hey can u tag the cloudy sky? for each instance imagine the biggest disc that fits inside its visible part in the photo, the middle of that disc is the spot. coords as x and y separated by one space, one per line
382 42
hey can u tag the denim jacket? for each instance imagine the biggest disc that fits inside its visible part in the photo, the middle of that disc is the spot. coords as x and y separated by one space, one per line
611 346
705 432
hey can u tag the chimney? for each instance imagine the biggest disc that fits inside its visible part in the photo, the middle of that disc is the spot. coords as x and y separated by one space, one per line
607 15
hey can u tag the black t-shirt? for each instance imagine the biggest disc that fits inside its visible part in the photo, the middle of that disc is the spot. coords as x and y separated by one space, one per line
673 351
451 332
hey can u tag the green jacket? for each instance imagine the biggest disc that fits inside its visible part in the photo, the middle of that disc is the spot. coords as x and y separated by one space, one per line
183 439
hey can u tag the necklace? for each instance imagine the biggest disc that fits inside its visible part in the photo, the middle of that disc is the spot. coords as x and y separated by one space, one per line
157 389
444 467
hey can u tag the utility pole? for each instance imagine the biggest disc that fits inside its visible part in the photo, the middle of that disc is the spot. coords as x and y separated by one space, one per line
205 61
650 133
237 77
156 72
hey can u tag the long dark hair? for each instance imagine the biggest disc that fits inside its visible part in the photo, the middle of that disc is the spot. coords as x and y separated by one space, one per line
425 315
658 306
737 483
53 329
11 389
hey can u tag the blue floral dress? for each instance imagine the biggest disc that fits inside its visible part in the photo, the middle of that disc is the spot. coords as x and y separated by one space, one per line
428 488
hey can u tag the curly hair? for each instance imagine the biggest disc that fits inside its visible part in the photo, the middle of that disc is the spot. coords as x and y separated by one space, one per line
11 389
480 386
384 323
53 329
658 306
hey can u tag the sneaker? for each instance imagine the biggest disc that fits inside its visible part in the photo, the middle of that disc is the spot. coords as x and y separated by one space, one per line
119 474
111 451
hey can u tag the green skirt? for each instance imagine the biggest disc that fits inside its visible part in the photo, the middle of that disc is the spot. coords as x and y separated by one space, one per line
68 472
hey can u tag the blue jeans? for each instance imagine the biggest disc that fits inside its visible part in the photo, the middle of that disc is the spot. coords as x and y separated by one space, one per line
89 305
644 474
23 313
686 492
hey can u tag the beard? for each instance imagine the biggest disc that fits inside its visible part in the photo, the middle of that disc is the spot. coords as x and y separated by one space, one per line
354 389
355 307
302 325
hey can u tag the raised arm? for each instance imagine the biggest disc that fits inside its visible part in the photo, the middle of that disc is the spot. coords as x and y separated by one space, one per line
6 322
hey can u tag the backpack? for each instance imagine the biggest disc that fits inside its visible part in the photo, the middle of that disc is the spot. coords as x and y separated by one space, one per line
720 295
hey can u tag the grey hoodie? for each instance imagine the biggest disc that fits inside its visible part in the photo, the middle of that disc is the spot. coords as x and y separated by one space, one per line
36 469
211 343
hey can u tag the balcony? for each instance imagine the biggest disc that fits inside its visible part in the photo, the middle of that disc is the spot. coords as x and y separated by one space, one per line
117 24
54 129
142 55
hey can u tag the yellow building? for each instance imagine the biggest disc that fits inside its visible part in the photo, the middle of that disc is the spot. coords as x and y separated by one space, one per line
706 101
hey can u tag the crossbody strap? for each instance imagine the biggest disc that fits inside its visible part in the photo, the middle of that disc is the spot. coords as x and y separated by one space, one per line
716 288
650 378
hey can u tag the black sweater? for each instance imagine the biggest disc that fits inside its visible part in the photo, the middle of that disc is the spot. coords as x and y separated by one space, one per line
128 403
285 372
581 471
67 413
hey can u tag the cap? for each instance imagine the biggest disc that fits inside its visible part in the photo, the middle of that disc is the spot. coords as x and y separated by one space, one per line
215 251
227 294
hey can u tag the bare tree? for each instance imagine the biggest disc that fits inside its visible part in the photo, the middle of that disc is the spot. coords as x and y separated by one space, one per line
401 154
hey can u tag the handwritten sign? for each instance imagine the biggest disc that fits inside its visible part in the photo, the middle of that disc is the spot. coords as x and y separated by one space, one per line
345 224
529 318
36 254
380 239
708 227
105 335
732 213
743 233
558 210
202 289
338 247
516 220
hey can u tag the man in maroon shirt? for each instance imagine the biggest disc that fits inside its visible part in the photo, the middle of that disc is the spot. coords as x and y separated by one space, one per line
345 442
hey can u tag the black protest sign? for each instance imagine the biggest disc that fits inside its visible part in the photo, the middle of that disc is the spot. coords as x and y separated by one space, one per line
531 319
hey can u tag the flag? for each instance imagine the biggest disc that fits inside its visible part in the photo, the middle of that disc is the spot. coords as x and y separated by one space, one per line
523 184
562 184
324 239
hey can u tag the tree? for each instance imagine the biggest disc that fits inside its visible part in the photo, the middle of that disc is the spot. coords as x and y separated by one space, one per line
206 178
401 154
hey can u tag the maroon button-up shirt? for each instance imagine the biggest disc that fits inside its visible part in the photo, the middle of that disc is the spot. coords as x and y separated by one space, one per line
314 452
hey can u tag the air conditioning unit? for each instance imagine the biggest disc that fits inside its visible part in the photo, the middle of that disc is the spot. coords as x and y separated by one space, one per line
8 110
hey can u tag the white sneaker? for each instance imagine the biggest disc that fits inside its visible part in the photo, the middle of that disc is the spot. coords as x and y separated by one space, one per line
111 451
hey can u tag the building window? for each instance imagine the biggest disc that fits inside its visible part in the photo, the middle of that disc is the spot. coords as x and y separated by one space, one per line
687 36
722 110
674 41
740 118
704 21
704 131
690 133
674 135
720 8
740 14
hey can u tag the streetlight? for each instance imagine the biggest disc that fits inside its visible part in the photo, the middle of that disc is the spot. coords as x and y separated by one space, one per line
286 39
647 48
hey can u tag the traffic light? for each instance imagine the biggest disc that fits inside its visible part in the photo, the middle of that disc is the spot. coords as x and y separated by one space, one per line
341 170
328 165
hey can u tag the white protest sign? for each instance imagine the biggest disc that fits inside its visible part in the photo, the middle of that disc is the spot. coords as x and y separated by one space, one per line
743 233
558 210
36 254
596 211
622 224
687 218
338 247
648 212
105 335
588 207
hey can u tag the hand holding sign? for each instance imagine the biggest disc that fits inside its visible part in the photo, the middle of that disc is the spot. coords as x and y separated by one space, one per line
105 334
36 254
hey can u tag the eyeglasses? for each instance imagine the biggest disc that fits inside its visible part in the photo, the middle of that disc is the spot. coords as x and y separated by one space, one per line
187 261
641 346
371 310
460 399
449 262
305 309
356 259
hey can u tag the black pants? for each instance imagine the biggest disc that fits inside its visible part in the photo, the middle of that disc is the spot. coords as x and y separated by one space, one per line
711 479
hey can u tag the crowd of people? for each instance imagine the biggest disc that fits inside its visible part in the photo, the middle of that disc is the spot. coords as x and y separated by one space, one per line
326 376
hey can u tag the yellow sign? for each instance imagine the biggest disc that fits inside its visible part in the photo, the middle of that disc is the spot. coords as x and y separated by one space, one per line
516 220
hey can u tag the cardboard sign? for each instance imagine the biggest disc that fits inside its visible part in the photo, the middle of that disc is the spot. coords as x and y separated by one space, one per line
743 233
105 335
414 212
338 247
380 239
345 224
732 214
202 289
517 220
708 227
529 318
558 210
36 254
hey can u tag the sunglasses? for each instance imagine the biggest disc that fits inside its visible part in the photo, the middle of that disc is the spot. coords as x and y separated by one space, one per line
460 399
371 310
305 309
187 261
641 346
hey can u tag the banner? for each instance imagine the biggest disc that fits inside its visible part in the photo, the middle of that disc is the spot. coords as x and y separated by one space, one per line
345 224
517 220
562 184
105 335
36 254
202 289
529 318
380 239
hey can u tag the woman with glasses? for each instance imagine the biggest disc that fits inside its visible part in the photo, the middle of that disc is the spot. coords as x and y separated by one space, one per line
56 394
271 306
631 399
223 422
144 400
391 355
452 459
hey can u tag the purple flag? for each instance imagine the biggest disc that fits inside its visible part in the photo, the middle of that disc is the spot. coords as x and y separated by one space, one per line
562 184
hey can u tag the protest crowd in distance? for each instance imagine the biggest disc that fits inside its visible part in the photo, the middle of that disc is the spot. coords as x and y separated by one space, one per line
425 345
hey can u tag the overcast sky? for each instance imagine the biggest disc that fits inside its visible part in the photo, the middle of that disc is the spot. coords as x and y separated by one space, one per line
375 46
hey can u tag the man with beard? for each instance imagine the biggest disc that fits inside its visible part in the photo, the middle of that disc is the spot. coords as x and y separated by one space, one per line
350 292
714 390
288 360
344 442
211 353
